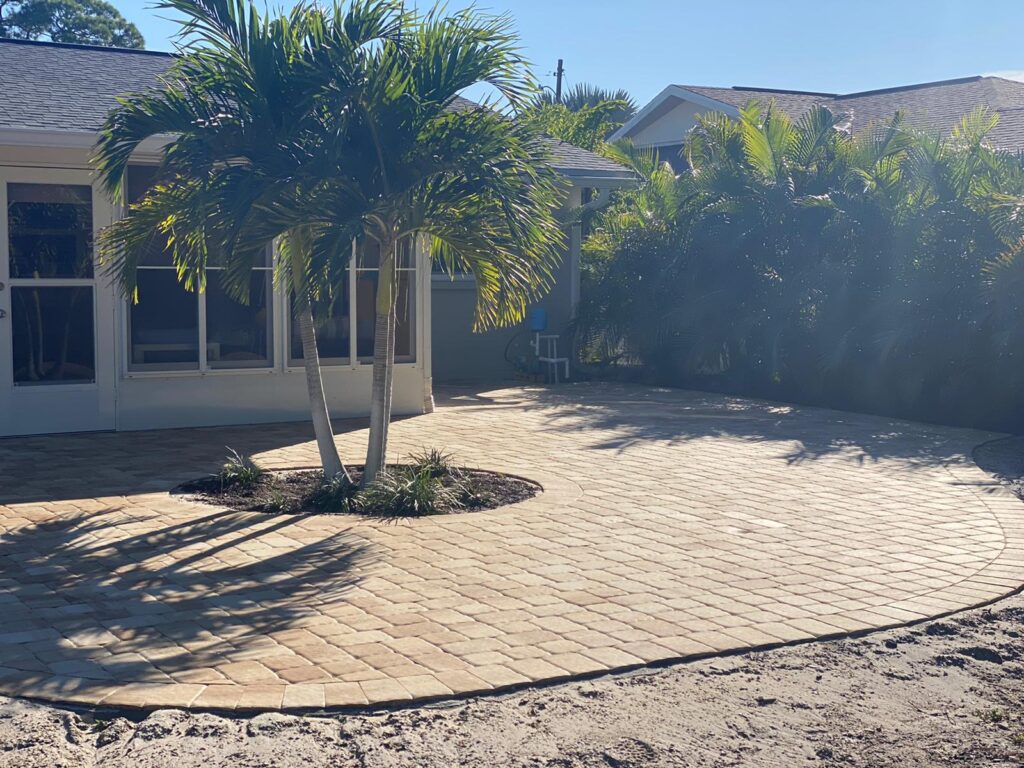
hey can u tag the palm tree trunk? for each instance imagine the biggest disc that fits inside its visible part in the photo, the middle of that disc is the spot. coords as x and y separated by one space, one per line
383 365
329 457
389 381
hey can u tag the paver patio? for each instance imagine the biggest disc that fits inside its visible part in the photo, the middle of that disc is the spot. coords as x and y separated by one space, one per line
672 524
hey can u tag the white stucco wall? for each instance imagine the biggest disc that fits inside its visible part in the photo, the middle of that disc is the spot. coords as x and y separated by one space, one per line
669 126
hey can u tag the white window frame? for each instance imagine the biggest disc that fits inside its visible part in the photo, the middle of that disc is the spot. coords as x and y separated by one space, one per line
354 362
204 368
89 283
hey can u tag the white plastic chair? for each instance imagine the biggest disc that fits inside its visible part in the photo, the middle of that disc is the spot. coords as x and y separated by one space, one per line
549 355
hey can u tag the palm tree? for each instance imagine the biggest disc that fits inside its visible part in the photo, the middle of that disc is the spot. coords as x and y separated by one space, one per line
250 129
414 161
585 95
877 271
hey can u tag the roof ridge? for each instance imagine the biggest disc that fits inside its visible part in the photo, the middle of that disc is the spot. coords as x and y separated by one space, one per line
84 47
911 87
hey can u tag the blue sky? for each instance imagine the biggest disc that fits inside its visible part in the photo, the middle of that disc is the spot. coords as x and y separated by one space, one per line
818 45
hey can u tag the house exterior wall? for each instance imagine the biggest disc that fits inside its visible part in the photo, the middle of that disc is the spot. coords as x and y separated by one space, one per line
446 348
460 355
120 399
669 127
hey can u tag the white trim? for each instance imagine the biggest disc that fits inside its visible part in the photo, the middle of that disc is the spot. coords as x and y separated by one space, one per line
52 282
153 147
194 373
203 352
353 319
661 144
628 179
424 328
85 405
50 138
677 93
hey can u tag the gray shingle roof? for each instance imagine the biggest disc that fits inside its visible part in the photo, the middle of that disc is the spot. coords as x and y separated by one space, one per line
939 106
573 161
569 159
49 86
69 88
790 102
929 106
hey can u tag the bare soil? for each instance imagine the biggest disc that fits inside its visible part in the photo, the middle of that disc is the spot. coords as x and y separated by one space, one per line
298 492
944 693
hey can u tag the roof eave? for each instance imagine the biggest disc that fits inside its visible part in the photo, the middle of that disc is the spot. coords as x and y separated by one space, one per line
678 93
602 179
50 138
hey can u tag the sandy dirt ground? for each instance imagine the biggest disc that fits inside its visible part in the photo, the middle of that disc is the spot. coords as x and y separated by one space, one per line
945 693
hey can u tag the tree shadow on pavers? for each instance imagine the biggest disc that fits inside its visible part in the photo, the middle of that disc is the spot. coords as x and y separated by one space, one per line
630 416
91 465
103 464
1003 458
482 395
119 596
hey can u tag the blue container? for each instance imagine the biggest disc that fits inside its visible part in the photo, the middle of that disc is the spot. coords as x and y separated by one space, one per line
538 319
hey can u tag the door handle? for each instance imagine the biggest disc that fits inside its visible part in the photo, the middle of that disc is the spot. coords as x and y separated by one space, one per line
3 314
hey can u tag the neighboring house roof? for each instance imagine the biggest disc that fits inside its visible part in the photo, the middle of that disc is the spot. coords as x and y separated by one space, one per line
791 102
934 106
939 106
71 88
571 160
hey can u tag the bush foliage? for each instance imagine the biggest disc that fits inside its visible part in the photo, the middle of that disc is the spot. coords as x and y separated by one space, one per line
410 492
240 471
879 272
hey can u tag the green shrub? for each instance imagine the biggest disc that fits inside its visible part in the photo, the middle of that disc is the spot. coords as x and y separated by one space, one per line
435 462
334 495
773 274
409 492
240 471
276 502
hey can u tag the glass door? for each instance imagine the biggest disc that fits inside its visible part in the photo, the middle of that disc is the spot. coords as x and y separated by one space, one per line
56 324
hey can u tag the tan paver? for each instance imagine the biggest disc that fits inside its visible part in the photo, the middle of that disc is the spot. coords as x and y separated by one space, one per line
672 524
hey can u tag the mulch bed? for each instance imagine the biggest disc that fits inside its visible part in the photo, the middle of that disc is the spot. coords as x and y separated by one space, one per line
294 492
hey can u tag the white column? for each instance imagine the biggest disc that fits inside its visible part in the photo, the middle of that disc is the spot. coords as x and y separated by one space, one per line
575 252
424 323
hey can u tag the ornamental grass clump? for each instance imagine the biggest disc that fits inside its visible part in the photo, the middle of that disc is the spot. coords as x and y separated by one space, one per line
410 492
335 495
240 471
435 462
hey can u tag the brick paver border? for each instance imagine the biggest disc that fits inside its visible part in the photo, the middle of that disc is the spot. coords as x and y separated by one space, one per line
673 525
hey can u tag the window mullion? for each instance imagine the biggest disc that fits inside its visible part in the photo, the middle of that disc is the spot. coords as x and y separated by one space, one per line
201 304
353 318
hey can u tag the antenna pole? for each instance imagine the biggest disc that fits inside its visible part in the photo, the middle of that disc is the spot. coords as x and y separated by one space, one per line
559 73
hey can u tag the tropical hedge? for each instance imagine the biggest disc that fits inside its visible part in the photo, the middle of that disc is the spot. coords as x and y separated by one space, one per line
879 271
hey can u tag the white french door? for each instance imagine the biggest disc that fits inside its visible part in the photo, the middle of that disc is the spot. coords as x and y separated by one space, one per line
57 369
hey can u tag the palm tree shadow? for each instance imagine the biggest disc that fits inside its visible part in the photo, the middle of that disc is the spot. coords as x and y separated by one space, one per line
625 417
1003 458
116 595
125 463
